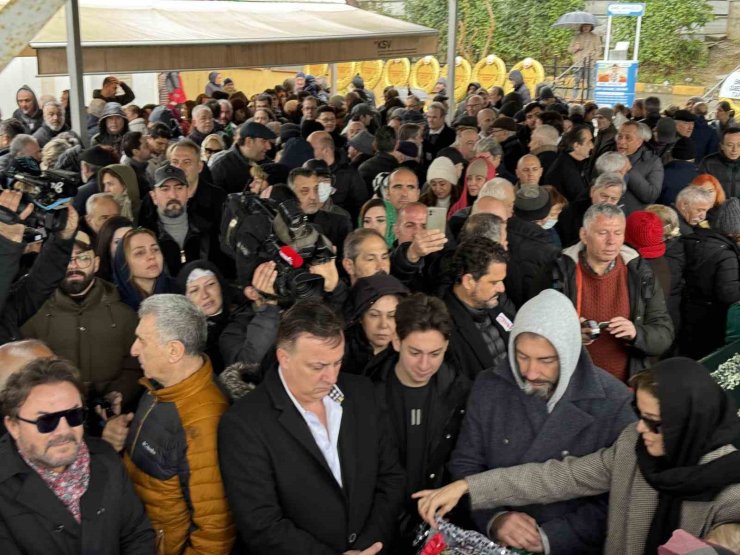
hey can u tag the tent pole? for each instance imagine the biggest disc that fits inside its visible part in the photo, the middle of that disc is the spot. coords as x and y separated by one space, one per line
333 77
74 68
451 47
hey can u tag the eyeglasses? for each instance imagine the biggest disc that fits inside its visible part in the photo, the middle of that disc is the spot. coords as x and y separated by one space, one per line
82 260
652 425
47 423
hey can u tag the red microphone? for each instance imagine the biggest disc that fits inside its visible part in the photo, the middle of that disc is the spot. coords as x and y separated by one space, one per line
290 255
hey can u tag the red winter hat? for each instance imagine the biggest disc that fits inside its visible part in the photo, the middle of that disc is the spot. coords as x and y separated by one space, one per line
645 233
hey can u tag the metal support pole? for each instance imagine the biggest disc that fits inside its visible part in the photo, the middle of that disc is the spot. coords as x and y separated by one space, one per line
74 68
608 37
333 78
451 50
637 38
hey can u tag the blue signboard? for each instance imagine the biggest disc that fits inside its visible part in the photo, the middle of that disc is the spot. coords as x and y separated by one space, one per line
615 82
630 9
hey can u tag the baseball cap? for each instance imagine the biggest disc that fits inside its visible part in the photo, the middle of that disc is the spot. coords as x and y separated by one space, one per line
167 172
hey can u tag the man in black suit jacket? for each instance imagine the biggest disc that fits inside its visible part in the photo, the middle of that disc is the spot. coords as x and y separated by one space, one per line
438 134
307 465
481 313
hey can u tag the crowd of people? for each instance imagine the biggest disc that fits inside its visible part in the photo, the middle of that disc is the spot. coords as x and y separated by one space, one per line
305 322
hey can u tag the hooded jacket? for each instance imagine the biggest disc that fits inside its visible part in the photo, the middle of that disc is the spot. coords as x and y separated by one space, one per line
504 426
212 86
35 119
95 334
129 201
105 138
648 310
517 80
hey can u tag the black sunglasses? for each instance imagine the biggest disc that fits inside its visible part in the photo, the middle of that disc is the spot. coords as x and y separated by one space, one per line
652 425
47 423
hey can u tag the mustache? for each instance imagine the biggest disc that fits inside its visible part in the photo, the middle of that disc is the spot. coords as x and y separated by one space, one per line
61 440
76 273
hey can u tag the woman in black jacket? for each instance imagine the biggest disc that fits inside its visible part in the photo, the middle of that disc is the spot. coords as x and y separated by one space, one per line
712 281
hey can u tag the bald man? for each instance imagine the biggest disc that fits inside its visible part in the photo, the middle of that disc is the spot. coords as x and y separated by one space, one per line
16 354
528 170
491 205
486 118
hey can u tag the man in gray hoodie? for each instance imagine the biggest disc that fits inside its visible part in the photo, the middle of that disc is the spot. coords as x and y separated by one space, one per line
547 401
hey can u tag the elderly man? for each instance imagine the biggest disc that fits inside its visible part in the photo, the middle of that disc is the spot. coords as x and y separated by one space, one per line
485 117
75 495
645 178
54 123
725 164
203 123
100 207
481 314
172 452
86 322
544 145
306 459
546 401
474 104
606 133
570 173
438 134
608 188
621 304
498 188
504 130
692 205
465 142
365 254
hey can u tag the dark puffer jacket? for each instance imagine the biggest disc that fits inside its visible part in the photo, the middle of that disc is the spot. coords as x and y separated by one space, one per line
724 169
712 276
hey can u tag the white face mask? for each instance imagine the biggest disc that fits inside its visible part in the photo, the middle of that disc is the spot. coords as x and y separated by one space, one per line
550 223
325 190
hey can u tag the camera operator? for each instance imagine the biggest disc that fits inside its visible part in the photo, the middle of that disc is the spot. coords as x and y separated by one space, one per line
19 301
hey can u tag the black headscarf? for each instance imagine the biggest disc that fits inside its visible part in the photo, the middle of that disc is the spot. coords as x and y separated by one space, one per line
698 417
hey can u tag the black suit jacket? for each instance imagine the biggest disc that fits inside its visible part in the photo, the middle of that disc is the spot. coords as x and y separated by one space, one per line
434 143
284 498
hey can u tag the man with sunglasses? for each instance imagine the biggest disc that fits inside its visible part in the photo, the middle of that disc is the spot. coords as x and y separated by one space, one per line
62 492
85 322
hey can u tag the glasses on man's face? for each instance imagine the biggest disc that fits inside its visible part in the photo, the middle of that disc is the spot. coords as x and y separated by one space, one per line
47 423
652 425
82 260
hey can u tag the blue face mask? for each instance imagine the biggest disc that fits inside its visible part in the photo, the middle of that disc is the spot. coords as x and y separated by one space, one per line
550 223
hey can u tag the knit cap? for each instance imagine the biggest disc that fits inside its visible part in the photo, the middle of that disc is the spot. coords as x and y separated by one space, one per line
644 232
442 168
727 220
552 316
605 112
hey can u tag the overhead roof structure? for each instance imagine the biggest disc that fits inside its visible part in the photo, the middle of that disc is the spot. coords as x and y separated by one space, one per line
138 36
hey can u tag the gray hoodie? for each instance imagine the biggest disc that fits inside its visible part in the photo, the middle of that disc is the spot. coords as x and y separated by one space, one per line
552 316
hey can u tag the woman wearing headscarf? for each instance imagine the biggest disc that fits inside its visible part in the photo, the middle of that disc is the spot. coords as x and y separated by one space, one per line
677 468
214 83
201 282
480 170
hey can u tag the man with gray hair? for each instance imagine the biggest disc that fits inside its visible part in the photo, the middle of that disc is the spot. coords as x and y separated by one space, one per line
173 456
619 302
54 123
100 207
544 145
692 205
486 225
645 177
608 188
610 162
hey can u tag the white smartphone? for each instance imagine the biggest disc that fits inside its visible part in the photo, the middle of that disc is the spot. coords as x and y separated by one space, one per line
437 218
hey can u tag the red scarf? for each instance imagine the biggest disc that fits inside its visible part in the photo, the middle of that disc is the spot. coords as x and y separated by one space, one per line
69 486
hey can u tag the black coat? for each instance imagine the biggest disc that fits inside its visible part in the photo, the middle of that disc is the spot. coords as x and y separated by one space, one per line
467 351
513 150
569 176
434 143
712 276
19 302
282 494
381 162
34 521
350 189
231 171
359 357
674 255
532 254
448 395
571 220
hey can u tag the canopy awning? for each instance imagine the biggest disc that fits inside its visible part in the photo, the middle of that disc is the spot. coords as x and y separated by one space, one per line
139 36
